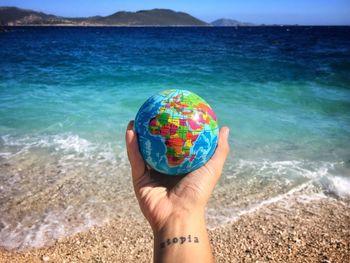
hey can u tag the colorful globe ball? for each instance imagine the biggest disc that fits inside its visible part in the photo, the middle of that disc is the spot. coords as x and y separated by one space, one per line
177 131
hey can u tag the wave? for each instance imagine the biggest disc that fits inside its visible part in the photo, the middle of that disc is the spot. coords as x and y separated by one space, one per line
50 227
330 177
333 187
66 142
53 186
277 182
66 146
307 169
75 170
217 218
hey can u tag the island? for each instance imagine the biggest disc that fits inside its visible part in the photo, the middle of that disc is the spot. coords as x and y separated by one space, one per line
230 23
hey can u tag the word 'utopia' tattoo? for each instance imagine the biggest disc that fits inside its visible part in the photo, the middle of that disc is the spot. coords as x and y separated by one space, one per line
179 240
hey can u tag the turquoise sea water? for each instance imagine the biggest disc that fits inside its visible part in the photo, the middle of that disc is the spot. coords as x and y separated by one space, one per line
66 95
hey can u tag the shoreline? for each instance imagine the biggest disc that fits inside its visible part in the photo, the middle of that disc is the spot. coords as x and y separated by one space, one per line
167 26
100 25
314 231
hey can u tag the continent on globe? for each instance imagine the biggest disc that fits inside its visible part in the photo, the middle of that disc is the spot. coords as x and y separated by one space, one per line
181 134
177 131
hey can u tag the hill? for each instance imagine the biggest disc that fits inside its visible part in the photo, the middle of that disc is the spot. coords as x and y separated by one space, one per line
229 22
12 16
155 17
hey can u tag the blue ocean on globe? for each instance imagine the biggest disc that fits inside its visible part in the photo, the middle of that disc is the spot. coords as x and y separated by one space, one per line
177 131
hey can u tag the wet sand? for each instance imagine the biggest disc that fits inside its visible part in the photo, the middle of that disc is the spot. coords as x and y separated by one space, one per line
314 231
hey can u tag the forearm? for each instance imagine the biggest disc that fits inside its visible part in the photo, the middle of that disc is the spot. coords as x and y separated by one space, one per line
183 239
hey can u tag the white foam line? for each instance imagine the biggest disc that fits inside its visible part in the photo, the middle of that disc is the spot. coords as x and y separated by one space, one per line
50 228
68 146
274 200
340 186
5 154
279 198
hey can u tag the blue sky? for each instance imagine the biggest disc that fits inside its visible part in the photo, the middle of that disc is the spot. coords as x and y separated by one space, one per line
315 12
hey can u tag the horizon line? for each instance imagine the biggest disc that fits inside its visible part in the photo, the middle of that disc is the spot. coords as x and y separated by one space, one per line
209 23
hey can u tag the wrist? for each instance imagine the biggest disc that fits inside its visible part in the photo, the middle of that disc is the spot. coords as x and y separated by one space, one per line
183 236
180 228
178 220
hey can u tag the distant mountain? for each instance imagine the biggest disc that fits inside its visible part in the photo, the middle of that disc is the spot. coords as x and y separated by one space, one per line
154 17
11 16
229 22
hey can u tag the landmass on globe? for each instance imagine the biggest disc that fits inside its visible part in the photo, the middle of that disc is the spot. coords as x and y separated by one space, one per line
181 134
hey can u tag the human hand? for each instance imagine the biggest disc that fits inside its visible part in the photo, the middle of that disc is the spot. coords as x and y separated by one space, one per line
174 205
162 197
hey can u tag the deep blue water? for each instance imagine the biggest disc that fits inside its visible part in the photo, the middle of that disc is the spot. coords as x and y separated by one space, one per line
66 95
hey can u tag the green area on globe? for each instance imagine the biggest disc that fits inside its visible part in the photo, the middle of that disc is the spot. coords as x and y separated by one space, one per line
177 131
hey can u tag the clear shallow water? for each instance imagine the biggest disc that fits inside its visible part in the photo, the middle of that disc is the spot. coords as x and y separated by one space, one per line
66 95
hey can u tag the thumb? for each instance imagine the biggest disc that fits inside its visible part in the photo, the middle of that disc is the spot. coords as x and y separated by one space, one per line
136 161
213 168
217 161
222 149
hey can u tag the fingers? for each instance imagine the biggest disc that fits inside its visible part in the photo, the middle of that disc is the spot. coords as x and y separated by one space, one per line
136 161
222 149
217 161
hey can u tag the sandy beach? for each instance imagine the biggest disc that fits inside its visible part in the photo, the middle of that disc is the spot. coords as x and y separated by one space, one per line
307 231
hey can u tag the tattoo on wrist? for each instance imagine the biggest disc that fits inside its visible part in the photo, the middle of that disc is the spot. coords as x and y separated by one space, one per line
179 240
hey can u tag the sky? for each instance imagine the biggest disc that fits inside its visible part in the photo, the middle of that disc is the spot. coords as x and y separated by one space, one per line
305 12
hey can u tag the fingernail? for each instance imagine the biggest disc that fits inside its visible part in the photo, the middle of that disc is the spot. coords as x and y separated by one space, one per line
130 125
226 132
129 136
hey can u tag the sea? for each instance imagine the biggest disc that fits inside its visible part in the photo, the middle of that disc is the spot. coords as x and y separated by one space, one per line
67 94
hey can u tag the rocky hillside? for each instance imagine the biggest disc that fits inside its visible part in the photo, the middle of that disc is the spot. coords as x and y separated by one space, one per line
156 17
161 17
14 15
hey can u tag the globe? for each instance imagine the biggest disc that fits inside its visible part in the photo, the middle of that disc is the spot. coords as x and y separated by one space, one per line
177 131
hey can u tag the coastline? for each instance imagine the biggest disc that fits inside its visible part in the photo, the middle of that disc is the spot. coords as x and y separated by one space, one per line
168 26
101 25
311 231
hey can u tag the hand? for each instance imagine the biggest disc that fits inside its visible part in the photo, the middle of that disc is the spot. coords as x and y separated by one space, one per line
163 197
174 205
